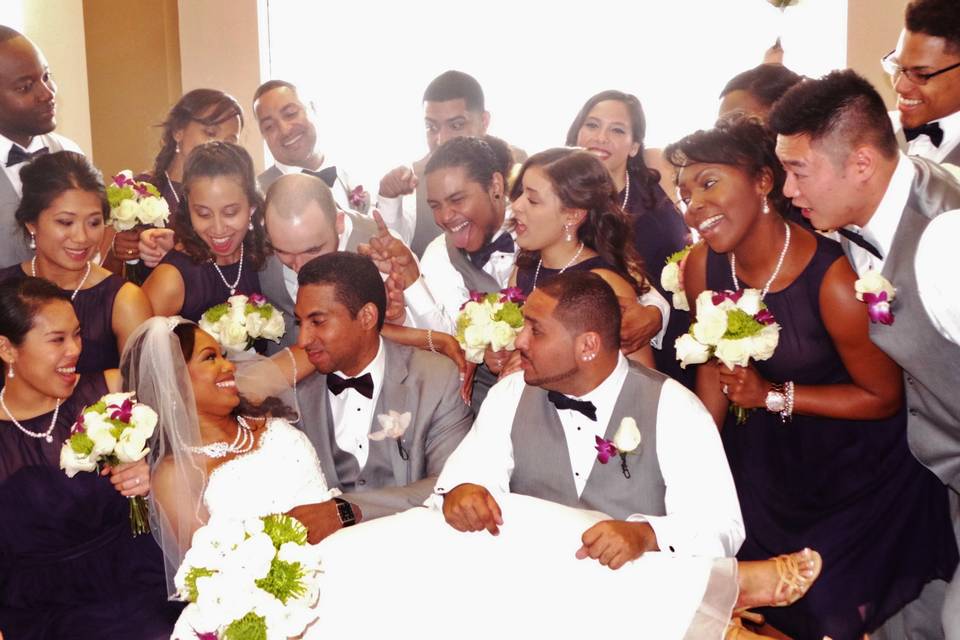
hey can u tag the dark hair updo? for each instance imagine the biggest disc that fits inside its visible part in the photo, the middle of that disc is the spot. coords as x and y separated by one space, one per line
20 301
205 106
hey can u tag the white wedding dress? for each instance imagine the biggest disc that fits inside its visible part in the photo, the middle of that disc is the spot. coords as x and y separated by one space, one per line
413 576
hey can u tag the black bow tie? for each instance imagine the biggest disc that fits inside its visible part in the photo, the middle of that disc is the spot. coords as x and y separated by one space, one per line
859 240
931 129
18 155
363 384
503 244
561 402
327 174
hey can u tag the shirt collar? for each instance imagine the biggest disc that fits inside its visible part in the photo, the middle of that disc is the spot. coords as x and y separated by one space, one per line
345 236
375 368
289 168
605 394
882 225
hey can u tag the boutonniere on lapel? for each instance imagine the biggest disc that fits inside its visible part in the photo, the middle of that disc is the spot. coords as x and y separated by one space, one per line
392 425
878 293
625 441
359 199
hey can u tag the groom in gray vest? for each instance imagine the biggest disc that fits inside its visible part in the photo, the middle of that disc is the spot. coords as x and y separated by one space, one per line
302 222
899 217
382 417
581 426
28 115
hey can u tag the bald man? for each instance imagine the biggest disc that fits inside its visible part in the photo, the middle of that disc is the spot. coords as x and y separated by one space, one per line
303 222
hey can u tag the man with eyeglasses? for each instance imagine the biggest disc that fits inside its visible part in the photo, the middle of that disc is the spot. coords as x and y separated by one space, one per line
925 71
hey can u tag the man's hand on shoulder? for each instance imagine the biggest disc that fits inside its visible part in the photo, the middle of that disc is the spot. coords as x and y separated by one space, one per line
470 507
616 542
321 519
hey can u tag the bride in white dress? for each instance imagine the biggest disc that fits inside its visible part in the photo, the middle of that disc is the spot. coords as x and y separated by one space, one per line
408 575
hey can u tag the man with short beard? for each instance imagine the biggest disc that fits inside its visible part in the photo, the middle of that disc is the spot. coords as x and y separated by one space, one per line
547 432
27 119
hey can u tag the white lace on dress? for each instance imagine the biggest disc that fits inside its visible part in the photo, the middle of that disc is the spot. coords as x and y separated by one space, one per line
282 472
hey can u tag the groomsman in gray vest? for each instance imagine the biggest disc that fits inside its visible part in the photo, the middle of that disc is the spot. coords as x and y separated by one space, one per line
453 106
28 116
382 417
302 222
925 71
899 218
582 426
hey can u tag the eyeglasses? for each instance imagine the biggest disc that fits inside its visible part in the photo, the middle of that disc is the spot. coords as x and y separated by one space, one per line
916 77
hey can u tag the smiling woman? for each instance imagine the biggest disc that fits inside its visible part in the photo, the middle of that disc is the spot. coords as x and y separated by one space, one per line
62 212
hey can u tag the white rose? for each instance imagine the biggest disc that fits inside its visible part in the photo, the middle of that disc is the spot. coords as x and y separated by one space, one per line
476 336
252 557
224 597
873 282
213 328
253 526
680 301
710 326
98 430
733 352
232 334
154 210
255 323
627 437
689 351
749 302
474 354
502 336
124 215
765 343
72 462
238 309
670 277
480 314
144 419
116 398
131 446
275 327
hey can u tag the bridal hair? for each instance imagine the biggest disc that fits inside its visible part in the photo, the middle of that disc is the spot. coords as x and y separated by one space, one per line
737 140
213 160
20 301
585 302
48 176
581 181
648 179
205 106
840 112
355 280
937 18
456 85
481 158
765 82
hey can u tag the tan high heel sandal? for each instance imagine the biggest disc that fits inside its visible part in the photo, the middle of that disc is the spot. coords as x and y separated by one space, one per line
792 584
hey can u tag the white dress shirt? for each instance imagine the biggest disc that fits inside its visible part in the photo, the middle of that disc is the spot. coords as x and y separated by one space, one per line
399 216
923 147
352 412
937 261
703 513
38 142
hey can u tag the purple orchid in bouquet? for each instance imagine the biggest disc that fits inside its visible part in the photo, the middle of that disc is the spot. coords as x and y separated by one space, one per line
489 320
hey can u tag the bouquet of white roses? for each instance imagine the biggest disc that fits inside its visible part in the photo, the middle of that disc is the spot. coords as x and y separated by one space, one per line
133 202
240 320
256 578
732 326
671 278
489 320
114 430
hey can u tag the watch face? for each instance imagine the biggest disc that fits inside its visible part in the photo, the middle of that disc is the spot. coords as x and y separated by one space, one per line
345 512
776 401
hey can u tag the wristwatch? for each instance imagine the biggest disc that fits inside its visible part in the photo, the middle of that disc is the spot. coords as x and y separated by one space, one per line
776 399
345 513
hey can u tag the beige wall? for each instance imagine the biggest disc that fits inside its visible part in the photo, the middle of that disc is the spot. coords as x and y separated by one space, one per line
56 26
133 64
872 30
220 42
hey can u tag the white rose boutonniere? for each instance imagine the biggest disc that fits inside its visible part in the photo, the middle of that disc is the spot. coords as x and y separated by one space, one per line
393 424
626 440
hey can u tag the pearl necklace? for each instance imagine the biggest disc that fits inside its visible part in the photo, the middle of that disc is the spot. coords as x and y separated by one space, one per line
241 444
73 296
626 193
776 270
46 435
536 274
172 190
236 283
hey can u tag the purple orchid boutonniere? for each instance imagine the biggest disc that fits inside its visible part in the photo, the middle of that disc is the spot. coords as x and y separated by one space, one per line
360 199
393 424
625 441
878 294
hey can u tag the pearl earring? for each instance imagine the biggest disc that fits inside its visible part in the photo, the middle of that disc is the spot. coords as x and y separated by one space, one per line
10 371
33 240
765 207
250 225
177 150
568 236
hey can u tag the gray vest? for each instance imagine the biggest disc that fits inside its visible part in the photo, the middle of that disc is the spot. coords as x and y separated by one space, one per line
380 469
273 287
931 363
13 243
542 460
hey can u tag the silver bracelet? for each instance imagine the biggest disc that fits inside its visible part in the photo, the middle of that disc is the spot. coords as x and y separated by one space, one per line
787 412
433 347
